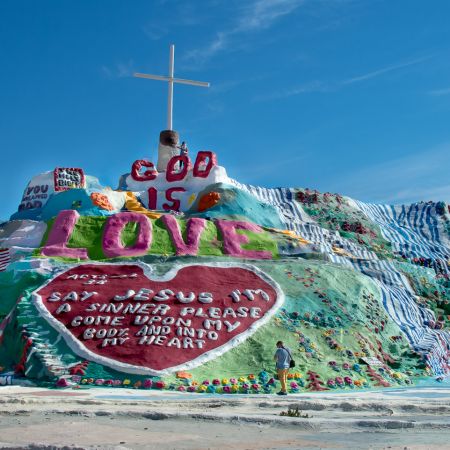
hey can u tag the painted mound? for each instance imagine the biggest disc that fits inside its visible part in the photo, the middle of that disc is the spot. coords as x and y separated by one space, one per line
185 279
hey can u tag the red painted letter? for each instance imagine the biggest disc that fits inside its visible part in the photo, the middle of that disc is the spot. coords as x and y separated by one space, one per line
175 206
200 162
147 175
185 165
152 198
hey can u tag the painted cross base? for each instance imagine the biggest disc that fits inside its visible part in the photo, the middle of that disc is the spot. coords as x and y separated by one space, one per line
167 148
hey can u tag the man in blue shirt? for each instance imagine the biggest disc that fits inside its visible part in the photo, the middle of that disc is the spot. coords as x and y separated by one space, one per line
283 358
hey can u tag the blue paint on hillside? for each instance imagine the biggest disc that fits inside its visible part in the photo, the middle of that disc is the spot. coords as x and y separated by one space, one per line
237 204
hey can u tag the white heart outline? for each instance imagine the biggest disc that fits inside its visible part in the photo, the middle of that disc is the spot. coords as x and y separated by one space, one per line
77 346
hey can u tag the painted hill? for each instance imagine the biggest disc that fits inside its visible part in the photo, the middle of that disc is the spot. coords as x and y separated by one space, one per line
185 279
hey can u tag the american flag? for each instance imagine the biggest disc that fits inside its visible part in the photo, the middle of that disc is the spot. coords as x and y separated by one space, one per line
4 258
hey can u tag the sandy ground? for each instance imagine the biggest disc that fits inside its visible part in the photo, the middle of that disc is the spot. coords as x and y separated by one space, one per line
34 418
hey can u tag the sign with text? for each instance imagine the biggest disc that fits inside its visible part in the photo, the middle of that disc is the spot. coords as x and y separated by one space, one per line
124 317
68 178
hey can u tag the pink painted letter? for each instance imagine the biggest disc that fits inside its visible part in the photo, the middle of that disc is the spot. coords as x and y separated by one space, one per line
112 242
59 237
194 228
232 241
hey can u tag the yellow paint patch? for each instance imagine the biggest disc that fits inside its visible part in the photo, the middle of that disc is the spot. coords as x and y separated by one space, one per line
133 204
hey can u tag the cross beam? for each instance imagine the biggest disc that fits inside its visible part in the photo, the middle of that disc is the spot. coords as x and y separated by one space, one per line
171 80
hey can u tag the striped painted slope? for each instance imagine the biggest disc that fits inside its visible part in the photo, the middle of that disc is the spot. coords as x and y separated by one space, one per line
5 258
413 230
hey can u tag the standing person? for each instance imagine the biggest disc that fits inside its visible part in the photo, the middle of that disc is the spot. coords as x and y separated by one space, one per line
283 359
183 149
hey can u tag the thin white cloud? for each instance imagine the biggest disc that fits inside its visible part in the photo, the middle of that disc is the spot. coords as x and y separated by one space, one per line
262 171
439 92
382 71
119 70
313 86
321 86
253 16
421 176
184 14
263 13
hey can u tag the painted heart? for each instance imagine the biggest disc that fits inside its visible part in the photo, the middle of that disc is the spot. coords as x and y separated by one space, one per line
122 316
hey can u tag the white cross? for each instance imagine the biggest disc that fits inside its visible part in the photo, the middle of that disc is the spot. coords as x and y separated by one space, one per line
171 80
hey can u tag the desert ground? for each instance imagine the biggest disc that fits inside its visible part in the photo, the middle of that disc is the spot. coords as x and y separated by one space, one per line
101 418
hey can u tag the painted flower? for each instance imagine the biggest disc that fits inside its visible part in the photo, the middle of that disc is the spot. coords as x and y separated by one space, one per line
233 381
191 388
293 385
227 389
331 383
216 381
234 388
109 382
202 388
117 382
225 381
99 381
256 386
348 380
205 382
126 382
251 377
298 375
138 384
160 384
242 379
148 383
181 388
346 366
76 378
339 381
195 383
62 382
271 381
90 380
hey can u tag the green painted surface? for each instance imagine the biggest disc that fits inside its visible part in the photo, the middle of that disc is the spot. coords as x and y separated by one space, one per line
89 230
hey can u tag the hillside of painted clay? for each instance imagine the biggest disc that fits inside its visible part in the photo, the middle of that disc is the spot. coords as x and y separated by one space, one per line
185 279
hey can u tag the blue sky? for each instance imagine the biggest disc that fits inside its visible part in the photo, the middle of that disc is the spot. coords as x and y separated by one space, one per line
348 96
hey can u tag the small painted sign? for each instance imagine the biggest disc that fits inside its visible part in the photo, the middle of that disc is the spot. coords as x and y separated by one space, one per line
68 178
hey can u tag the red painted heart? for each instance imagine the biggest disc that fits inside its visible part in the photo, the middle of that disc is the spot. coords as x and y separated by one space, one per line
119 316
